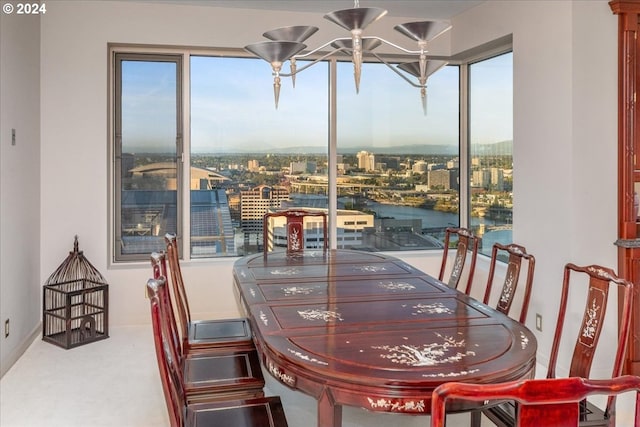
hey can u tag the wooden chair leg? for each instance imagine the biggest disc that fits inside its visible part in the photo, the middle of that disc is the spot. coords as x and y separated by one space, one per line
476 418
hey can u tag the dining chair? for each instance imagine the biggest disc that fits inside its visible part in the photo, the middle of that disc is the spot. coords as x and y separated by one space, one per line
203 375
466 243
208 412
554 402
198 334
598 281
515 256
298 233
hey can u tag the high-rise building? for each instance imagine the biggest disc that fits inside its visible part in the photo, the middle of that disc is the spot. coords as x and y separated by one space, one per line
253 165
489 177
420 166
497 178
366 160
444 179
256 202
481 178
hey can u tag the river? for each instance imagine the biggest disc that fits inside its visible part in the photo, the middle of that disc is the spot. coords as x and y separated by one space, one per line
430 218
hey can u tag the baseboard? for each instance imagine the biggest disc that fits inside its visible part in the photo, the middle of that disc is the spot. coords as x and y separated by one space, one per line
13 357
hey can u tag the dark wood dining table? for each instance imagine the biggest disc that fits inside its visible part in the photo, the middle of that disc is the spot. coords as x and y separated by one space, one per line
368 330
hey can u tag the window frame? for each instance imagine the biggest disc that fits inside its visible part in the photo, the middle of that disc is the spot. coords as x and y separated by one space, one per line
183 143
466 81
115 142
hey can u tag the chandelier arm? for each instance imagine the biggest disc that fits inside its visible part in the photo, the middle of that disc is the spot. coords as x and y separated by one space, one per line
304 55
387 42
392 68
315 61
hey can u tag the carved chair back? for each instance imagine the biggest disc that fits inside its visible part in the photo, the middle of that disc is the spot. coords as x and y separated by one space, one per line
294 230
517 255
596 282
159 268
599 281
202 333
177 283
467 245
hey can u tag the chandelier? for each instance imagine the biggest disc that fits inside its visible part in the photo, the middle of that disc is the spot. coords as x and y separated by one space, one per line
287 43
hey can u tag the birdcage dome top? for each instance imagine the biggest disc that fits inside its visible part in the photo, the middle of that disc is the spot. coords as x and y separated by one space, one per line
75 267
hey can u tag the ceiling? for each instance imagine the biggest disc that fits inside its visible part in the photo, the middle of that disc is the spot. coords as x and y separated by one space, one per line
420 9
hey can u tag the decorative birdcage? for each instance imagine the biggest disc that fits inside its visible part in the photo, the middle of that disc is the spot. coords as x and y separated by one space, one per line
75 303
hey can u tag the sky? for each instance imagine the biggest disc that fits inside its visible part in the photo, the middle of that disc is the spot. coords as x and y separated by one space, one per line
232 106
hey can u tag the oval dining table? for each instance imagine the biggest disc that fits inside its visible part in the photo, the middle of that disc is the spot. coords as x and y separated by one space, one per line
368 330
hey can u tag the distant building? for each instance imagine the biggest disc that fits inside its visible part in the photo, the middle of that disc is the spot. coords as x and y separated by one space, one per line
420 166
488 177
388 162
256 202
366 160
481 178
350 227
233 199
444 179
145 213
211 225
302 167
201 179
497 179
253 166
398 234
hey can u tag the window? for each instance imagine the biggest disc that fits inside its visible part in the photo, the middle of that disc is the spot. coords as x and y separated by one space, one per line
491 143
147 134
400 165
199 149
257 157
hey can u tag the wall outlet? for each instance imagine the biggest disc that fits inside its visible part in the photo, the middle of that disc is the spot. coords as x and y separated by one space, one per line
539 322
6 328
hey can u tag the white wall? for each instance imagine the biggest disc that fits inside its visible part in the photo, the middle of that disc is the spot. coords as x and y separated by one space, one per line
565 136
564 133
19 183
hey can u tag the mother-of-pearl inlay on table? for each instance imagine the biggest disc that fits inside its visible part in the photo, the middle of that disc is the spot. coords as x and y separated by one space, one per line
368 330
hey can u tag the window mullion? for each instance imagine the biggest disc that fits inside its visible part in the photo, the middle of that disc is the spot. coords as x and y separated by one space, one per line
465 160
332 190
184 151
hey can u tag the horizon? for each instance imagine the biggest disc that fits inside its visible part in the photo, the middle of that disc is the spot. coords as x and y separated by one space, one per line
221 119
343 150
